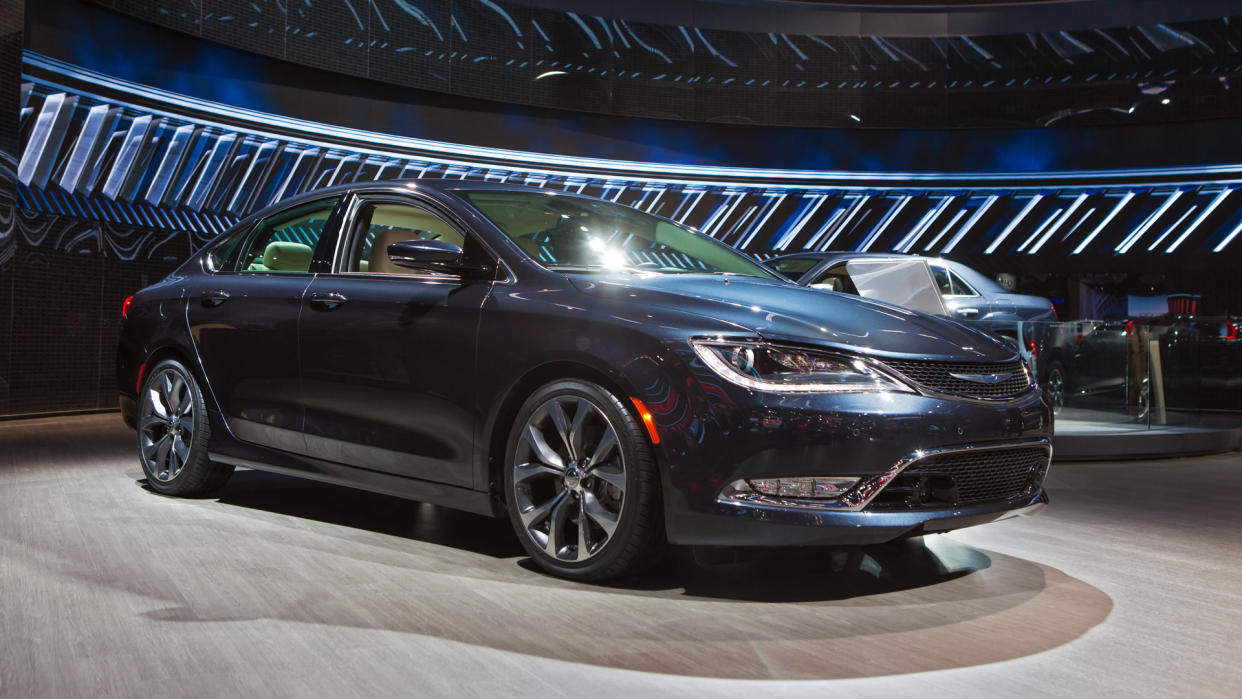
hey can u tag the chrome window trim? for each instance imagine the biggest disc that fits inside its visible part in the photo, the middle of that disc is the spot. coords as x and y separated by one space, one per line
869 487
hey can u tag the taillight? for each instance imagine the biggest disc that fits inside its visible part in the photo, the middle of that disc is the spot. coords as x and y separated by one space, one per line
1231 331
1055 317
125 305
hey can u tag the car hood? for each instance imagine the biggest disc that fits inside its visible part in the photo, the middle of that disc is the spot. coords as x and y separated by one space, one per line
781 311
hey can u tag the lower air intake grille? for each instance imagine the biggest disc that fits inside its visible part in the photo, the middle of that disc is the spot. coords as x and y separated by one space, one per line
966 478
991 381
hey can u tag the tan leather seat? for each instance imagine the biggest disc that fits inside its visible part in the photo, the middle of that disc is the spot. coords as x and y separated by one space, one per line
379 262
281 256
395 223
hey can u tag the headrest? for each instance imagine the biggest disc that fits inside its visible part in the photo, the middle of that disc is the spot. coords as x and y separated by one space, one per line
280 256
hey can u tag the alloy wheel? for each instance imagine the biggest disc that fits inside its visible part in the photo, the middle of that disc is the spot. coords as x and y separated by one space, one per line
568 478
1056 390
166 423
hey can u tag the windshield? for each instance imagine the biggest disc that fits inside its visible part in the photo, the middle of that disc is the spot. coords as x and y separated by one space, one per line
573 233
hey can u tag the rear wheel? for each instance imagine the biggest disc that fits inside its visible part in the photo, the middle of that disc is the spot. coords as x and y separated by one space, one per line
173 432
581 482
1054 386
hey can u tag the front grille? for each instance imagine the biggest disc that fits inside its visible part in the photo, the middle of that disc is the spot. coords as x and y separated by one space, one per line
966 478
939 377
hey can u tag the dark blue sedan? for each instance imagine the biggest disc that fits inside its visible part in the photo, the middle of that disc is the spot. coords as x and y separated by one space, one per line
602 377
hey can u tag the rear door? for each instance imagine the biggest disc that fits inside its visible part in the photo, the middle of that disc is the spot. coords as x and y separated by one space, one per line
244 319
388 352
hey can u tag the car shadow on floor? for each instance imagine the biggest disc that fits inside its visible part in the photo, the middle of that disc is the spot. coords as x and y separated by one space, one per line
330 557
364 510
756 575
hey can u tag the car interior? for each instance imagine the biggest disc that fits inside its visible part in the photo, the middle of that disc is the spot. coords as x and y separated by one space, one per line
835 278
386 224
287 245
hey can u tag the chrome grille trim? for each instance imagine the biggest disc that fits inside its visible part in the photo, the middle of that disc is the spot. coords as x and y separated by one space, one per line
870 487
983 474
952 378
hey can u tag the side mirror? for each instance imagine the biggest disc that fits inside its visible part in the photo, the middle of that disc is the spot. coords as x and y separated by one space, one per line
434 256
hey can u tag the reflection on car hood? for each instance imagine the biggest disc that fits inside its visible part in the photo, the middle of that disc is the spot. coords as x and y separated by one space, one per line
781 311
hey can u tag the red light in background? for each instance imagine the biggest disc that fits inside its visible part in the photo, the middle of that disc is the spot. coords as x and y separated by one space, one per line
125 305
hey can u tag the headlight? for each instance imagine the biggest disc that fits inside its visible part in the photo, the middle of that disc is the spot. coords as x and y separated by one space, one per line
763 367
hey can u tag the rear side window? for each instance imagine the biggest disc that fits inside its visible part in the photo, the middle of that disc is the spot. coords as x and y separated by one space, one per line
220 254
950 283
286 241
793 267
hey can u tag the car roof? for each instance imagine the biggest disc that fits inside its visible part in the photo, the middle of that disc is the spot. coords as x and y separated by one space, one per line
397 185
830 254
851 255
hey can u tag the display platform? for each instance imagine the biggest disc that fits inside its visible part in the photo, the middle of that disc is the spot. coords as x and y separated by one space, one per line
281 586
1083 435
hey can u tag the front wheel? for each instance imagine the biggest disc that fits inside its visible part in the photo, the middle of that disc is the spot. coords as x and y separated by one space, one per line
173 432
580 481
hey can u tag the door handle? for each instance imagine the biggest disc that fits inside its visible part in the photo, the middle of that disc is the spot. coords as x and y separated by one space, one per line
327 301
968 312
211 299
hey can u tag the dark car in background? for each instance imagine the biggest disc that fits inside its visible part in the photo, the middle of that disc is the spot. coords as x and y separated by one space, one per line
602 377
968 295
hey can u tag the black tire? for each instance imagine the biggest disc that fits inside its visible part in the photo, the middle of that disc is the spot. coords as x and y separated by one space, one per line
637 534
1054 386
164 420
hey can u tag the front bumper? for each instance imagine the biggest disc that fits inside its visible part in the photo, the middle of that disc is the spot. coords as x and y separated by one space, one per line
778 526
744 435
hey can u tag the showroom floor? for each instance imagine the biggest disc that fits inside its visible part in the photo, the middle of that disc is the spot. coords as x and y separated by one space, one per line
1130 583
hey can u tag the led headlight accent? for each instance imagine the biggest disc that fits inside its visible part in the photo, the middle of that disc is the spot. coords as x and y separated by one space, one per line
763 367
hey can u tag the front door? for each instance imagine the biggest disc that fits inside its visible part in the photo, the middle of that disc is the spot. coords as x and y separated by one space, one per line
244 322
388 352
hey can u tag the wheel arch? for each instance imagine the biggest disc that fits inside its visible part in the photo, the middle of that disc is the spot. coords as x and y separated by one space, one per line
189 359
501 421
173 351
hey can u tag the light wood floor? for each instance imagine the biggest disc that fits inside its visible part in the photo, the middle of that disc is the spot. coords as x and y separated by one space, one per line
1129 584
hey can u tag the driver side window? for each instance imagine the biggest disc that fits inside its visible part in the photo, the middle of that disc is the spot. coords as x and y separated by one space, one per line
380 224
